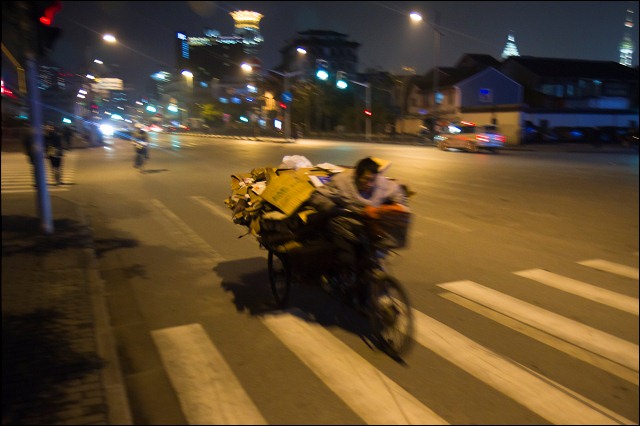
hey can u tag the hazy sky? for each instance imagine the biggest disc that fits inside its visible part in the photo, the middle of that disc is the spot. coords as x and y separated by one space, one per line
389 39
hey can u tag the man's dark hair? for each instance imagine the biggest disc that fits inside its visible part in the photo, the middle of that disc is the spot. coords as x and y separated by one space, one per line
366 165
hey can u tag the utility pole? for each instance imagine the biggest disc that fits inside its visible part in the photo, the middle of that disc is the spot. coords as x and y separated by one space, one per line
287 112
40 36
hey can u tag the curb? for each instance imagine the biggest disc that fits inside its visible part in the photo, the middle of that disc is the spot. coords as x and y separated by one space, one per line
117 402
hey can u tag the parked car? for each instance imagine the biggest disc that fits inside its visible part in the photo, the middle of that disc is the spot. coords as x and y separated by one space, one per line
470 137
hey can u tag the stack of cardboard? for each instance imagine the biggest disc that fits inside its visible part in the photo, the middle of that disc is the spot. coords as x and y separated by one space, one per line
272 202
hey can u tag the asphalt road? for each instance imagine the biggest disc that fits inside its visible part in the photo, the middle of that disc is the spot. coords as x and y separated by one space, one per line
522 269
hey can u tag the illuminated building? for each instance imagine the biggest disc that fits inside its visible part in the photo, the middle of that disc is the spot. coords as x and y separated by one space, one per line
510 49
626 45
332 47
214 56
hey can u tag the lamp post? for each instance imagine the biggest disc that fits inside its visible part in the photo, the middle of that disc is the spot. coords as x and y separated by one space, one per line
287 113
189 82
416 17
367 102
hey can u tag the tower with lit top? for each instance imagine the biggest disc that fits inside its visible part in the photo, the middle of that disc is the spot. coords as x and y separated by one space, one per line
626 45
510 49
247 26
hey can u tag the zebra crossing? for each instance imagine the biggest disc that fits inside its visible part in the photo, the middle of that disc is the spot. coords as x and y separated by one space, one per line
18 175
210 392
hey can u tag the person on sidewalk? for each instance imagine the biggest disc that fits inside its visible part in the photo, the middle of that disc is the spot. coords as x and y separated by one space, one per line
54 151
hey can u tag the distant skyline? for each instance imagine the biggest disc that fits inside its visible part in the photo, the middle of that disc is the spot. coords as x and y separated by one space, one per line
388 39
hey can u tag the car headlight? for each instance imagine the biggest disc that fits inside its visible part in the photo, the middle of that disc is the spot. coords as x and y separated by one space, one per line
106 129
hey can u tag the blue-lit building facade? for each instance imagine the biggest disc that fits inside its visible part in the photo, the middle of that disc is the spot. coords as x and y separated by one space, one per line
215 56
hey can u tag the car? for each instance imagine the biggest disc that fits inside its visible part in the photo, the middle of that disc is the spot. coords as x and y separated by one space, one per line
470 137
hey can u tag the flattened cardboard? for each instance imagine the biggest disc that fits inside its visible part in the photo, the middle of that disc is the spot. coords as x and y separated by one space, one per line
288 191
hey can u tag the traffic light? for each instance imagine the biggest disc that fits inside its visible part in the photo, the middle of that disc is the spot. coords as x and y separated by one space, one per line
322 68
367 112
283 105
46 35
341 80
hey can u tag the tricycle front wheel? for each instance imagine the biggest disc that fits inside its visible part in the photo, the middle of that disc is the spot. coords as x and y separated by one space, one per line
391 315
279 277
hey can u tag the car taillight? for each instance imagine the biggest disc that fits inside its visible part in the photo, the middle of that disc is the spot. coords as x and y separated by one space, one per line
482 138
500 138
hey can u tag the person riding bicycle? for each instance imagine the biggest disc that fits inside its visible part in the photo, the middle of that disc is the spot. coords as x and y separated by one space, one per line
369 194
141 146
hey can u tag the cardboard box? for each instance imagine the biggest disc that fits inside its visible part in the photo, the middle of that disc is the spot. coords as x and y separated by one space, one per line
288 191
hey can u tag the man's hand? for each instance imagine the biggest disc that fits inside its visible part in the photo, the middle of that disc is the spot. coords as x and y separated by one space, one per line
371 212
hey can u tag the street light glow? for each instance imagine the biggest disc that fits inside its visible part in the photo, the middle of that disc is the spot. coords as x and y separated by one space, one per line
246 67
187 73
109 38
415 16
301 50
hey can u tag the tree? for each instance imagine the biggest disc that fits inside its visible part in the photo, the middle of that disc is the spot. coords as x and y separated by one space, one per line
211 114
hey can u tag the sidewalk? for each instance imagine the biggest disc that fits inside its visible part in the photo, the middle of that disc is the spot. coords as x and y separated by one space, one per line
59 359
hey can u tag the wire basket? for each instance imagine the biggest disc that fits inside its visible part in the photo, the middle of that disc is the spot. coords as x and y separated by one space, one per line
392 228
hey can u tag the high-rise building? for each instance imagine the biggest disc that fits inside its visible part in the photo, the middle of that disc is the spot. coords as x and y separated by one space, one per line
510 49
214 56
331 47
626 45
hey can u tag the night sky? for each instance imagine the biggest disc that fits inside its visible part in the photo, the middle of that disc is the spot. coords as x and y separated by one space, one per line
389 39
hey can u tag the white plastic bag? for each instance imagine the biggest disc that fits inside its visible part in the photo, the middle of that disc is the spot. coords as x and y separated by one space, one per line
295 162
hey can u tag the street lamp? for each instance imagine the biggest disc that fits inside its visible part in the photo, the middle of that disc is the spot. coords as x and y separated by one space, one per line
416 17
189 81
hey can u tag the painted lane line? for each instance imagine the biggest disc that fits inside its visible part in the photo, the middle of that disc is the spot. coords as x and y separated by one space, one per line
214 208
183 234
579 288
615 268
208 391
547 339
369 393
606 345
533 391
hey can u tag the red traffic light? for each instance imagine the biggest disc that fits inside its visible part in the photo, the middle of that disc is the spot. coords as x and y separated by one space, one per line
50 11
283 105
367 112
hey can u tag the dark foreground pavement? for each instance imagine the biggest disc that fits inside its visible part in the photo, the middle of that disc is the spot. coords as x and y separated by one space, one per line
59 360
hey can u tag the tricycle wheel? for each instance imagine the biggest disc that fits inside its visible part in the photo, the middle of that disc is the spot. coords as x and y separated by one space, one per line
279 277
391 315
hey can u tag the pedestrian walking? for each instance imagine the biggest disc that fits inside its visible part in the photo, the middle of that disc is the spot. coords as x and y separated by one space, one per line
54 151
27 144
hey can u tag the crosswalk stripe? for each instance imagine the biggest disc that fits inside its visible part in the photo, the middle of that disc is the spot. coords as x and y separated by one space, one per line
209 392
369 393
606 345
615 268
17 177
579 288
558 344
537 393
182 233
213 208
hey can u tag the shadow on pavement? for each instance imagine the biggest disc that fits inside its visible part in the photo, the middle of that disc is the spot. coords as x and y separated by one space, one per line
36 358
